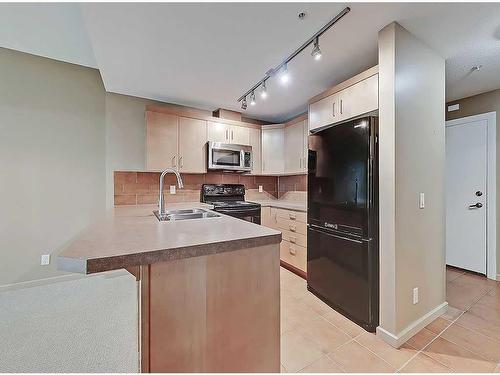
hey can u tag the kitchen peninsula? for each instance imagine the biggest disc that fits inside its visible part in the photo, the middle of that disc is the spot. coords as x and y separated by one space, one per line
209 287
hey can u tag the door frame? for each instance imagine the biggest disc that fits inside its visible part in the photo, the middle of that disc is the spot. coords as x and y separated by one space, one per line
491 209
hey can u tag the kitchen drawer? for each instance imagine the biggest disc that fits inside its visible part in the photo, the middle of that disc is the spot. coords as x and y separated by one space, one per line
294 255
293 237
292 215
292 225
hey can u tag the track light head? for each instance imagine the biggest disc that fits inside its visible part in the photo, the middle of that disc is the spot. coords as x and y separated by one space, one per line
263 92
252 98
316 52
244 104
284 77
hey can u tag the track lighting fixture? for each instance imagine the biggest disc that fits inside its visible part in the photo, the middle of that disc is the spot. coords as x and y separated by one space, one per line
263 92
281 69
284 77
316 52
252 98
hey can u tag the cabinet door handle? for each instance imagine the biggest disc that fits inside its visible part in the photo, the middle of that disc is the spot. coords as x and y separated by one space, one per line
333 109
180 162
300 163
232 135
227 135
341 106
173 160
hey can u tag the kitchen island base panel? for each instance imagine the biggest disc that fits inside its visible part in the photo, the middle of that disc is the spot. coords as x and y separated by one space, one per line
214 313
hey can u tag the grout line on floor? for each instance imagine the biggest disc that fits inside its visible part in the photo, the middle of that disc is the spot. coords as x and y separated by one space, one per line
371 351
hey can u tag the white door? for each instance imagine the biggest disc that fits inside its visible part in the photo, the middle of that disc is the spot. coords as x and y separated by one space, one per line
466 195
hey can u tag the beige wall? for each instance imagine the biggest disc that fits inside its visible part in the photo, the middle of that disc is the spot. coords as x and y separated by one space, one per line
125 137
52 154
412 160
474 105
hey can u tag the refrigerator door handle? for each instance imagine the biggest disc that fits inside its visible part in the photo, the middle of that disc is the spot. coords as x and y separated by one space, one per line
320 230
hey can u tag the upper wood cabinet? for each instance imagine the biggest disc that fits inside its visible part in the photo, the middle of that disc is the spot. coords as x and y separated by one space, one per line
192 145
273 149
175 141
256 142
225 133
294 148
355 97
161 140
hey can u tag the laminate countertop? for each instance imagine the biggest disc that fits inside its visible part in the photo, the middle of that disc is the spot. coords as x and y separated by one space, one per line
288 205
131 235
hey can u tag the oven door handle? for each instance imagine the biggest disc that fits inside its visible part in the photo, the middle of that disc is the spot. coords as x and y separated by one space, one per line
247 211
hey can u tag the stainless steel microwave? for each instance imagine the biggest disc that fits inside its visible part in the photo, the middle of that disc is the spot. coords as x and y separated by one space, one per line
225 156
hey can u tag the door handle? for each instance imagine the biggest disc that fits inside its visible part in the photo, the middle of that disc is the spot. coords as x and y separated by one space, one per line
333 109
232 135
479 193
227 135
341 106
477 205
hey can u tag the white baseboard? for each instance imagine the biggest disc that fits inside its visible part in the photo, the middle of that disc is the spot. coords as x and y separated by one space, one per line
412 329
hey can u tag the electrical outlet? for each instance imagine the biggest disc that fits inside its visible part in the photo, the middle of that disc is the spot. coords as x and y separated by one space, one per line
45 260
421 200
172 189
415 296
261 189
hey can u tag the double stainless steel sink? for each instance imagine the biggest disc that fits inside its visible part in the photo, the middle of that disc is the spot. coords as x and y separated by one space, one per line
193 213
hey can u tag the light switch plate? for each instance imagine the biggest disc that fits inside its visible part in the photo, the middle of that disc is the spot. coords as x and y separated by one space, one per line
172 189
415 296
45 260
260 189
421 200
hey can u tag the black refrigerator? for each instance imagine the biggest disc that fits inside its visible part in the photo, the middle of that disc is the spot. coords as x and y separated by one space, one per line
342 229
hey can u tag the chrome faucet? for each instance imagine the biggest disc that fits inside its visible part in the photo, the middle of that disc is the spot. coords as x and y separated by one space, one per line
161 201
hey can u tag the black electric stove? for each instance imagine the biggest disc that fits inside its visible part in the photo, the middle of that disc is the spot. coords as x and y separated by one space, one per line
229 199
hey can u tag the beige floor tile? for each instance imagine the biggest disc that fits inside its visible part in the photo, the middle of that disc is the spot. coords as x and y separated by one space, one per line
451 313
353 357
457 358
324 334
322 365
462 295
316 304
395 357
298 312
340 321
283 369
438 325
497 370
476 323
421 339
424 364
476 280
453 273
297 351
473 341
491 299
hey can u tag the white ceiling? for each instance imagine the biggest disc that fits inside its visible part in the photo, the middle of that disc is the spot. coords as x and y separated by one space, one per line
207 55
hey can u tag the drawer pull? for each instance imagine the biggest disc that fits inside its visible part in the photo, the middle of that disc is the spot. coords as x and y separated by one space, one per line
292 216
292 228
293 239
292 250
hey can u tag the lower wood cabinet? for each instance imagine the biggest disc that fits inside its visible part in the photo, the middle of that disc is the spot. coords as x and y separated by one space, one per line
293 227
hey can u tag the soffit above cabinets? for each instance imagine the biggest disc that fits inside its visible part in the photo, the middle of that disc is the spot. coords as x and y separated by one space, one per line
207 54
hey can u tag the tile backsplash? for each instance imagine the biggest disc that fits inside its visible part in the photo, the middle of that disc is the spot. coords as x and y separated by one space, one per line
132 188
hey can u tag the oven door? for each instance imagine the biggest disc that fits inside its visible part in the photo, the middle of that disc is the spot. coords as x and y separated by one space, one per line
248 214
225 156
